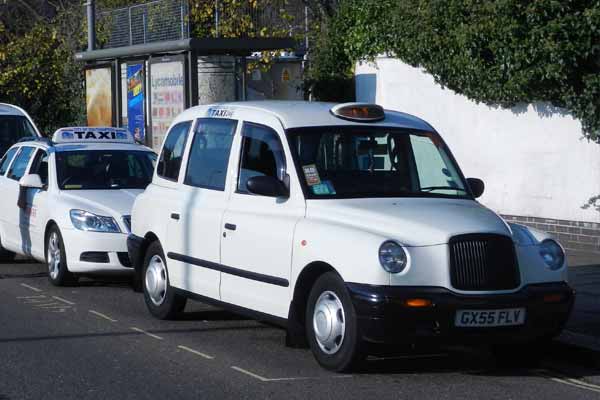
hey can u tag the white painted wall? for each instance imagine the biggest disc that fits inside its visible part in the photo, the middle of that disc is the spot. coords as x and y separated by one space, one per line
533 158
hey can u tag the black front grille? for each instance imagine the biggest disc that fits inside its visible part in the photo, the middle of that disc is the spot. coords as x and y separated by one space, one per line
94 257
483 262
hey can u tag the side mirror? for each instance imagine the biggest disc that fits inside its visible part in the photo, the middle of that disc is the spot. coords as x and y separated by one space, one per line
477 186
31 181
267 186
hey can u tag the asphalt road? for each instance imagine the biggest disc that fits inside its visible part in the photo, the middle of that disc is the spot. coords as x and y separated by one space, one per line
97 341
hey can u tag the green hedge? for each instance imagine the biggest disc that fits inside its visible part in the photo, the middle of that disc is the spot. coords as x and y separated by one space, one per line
499 52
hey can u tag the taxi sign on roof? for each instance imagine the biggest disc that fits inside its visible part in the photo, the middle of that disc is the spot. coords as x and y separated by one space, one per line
84 134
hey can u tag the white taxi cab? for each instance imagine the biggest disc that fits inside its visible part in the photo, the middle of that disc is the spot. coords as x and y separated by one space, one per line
67 202
349 225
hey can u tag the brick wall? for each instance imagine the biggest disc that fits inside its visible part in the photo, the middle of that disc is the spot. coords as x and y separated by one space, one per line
573 235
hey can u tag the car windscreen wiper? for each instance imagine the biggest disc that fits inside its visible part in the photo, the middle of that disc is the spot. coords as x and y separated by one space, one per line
430 188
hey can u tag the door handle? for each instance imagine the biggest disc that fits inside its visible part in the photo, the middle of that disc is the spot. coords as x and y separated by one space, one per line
230 227
175 216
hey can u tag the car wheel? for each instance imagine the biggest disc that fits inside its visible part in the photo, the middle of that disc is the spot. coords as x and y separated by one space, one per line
56 259
161 299
331 325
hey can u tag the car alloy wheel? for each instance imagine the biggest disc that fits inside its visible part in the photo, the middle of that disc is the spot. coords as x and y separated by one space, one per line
54 255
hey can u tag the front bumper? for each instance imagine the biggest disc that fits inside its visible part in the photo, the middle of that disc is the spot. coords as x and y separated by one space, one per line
384 317
95 252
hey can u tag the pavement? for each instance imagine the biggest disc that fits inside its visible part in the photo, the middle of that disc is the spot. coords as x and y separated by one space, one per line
96 340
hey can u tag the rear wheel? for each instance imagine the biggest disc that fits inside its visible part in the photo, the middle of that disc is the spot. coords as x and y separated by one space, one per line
331 325
56 259
160 298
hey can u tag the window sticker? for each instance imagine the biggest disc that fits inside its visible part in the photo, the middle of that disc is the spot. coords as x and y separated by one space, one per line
323 189
73 186
311 174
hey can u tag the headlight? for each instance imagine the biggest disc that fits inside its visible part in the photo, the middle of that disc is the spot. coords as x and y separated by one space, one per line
392 257
86 221
552 254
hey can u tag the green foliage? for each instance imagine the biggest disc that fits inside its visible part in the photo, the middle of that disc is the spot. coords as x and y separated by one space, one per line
499 52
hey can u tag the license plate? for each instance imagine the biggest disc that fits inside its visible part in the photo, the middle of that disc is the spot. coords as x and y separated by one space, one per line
490 318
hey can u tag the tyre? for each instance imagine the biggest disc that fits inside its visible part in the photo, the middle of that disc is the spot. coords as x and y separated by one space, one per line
56 259
161 299
331 325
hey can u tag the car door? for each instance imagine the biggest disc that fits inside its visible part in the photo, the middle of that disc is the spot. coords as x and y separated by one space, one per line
5 163
258 231
195 234
13 214
34 217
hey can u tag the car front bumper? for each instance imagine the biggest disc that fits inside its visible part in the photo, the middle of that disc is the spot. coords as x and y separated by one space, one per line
384 317
96 252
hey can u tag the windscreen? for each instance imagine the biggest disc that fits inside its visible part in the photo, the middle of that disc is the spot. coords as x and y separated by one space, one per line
13 128
104 169
350 162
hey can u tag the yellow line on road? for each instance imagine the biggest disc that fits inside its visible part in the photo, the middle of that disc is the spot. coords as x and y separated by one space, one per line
146 333
31 287
196 352
99 314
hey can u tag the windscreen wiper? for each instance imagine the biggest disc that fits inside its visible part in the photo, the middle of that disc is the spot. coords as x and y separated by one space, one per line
430 188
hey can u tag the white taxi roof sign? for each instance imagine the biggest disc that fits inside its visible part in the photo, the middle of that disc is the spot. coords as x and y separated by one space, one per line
359 112
86 134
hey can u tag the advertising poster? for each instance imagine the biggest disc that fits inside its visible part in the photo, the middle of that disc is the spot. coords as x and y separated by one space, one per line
98 96
135 101
167 89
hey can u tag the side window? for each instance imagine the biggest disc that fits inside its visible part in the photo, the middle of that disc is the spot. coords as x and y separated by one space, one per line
18 167
40 166
262 155
172 152
209 155
5 162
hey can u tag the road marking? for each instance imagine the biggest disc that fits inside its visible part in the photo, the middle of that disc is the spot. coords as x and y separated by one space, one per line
146 333
31 297
299 378
102 315
63 300
31 287
559 378
196 352
53 304
252 374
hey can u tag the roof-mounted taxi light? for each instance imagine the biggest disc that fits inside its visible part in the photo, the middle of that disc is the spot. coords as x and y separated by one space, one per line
84 134
359 112
418 303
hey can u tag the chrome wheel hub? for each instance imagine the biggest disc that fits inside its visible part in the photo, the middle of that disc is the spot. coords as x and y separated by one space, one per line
329 322
53 255
156 280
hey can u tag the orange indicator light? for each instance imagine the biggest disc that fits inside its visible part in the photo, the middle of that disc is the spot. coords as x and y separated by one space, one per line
553 298
418 303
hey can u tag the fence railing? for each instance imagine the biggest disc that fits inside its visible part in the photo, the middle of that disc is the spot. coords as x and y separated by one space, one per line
162 20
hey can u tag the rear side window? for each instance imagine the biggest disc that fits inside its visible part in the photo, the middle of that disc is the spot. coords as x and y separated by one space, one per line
209 155
19 166
13 128
5 162
171 156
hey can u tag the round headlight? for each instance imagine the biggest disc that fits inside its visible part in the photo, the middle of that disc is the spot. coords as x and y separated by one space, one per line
552 254
392 257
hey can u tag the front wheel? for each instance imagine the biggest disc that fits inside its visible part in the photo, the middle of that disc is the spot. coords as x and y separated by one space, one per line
331 325
56 259
160 298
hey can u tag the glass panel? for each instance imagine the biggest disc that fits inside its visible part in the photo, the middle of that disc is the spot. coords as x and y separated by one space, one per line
172 152
209 155
18 167
7 159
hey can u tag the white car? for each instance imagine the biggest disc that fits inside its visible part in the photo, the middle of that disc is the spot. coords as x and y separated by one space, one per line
67 202
348 225
15 124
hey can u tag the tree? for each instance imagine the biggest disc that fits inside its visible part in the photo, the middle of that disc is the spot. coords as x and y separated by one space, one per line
498 52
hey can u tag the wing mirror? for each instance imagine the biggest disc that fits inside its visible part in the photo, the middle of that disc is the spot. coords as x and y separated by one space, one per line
477 186
267 186
31 181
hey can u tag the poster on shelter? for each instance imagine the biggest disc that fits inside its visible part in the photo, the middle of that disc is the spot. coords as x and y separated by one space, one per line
167 88
135 101
98 96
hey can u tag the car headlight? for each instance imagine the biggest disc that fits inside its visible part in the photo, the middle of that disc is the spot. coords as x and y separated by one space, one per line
392 257
86 221
552 254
